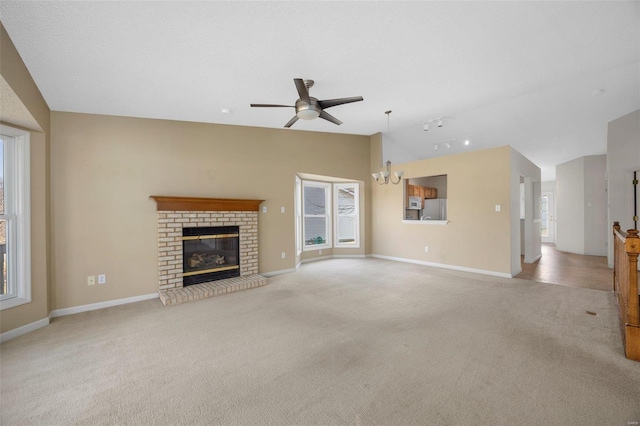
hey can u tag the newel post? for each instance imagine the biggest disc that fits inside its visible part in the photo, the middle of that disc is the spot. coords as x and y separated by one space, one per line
616 228
632 247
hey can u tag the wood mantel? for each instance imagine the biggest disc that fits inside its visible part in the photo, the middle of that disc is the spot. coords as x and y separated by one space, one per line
205 204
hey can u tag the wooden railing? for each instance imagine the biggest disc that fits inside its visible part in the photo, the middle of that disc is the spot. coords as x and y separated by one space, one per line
626 248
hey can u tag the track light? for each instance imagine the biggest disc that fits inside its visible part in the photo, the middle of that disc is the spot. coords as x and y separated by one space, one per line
437 120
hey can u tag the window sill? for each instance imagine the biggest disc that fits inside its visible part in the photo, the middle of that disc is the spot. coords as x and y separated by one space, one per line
426 222
316 247
13 302
347 246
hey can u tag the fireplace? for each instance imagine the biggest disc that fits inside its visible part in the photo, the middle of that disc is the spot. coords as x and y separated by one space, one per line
202 236
210 253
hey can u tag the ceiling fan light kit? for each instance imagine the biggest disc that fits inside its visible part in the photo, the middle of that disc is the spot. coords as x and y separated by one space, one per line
308 107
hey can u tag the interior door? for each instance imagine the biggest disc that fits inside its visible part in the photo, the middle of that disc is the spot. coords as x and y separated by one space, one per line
547 216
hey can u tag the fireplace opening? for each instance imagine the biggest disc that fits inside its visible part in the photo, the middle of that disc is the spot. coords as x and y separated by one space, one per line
210 253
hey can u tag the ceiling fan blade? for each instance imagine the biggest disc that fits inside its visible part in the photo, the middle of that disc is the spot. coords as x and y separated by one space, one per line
293 120
302 89
329 117
271 105
328 103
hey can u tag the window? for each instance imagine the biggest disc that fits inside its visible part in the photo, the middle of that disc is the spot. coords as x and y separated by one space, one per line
15 226
316 204
347 223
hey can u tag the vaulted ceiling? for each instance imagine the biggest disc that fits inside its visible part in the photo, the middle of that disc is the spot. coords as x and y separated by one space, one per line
544 77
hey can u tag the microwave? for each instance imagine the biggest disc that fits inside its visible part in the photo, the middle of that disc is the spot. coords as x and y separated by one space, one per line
415 203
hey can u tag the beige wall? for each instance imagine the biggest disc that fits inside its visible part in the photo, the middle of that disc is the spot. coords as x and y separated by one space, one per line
476 236
105 168
17 76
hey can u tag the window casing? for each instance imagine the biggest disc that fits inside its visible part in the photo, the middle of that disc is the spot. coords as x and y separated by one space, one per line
347 216
297 197
316 215
15 219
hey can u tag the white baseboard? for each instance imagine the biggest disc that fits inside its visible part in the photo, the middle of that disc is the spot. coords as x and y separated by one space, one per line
11 334
279 272
335 256
101 305
444 266
313 259
534 259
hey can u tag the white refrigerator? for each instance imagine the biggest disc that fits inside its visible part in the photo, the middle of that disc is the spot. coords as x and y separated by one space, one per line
434 209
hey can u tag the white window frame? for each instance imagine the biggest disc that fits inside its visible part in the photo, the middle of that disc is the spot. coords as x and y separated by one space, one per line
298 215
356 215
18 216
328 215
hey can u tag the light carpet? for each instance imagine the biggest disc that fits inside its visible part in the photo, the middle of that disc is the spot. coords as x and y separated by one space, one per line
344 341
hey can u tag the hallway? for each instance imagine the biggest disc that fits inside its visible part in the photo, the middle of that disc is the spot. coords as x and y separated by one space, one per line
574 270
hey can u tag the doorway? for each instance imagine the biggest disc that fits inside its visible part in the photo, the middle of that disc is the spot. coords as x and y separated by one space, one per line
547 218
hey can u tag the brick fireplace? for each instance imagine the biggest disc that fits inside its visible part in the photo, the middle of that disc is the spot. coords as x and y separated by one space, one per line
175 214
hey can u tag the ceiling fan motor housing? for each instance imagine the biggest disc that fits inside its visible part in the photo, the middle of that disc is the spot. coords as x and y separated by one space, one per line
308 111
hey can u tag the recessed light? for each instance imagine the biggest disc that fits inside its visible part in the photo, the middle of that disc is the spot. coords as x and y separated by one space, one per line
467 142
225 110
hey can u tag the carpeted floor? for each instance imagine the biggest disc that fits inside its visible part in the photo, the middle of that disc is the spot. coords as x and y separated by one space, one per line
343 341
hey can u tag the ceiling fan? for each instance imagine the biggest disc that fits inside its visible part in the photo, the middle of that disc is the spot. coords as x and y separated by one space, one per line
308 107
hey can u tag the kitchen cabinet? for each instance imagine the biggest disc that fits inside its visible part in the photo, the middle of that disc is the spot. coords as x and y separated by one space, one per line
430 193
420 191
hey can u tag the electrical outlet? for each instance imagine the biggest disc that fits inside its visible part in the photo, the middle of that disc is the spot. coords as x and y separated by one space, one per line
426 249
281 209
91 280
497 207
264 209
283 255
102 279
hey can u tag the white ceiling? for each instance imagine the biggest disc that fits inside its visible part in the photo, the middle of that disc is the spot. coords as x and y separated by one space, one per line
517 73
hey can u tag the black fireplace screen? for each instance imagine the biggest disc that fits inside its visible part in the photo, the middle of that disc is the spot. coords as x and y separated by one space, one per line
210 253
